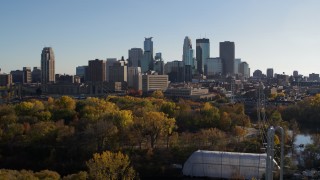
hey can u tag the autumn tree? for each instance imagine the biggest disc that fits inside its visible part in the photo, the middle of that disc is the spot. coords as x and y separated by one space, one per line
156 124
109 165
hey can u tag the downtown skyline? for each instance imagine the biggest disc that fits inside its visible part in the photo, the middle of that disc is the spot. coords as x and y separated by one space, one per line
279 35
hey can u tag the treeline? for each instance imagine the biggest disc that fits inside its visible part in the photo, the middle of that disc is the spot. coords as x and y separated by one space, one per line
63 134
306 112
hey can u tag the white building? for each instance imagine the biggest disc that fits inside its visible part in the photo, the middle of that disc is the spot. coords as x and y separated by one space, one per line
152 82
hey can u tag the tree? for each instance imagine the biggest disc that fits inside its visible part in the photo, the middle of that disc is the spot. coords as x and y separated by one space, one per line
108 165
157 94
156 124
82 175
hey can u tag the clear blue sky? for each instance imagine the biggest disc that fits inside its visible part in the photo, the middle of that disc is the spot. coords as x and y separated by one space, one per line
284 35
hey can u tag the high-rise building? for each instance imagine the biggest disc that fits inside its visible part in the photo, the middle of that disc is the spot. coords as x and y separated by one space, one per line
295 73
118 71
270 73
134 78
237 62
27 77
96 71
81 72
188 58
175 71
109 63
5 79
244 69
227 55
214 66
47 66
202 53
36 75
135 57
17 76
147 60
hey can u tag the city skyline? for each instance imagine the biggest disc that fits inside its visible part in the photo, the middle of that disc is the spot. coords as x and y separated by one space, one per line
279 35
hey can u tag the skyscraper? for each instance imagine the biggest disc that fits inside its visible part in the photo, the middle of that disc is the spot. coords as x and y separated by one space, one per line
227 55
96 71
202 53
244 69
187 58
135 57
270 73
47 66
237 62
147 61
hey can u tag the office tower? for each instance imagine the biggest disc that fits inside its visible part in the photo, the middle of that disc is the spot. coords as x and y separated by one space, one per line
96 71
147 60
202 53
214 66
118 71
47 66
109 63
158 65
134 77
81 72
188 59
27 77
237 62
175 71
135 57
270 73
244 69
152 82
17 76
187 56
36 75
295 73
227 55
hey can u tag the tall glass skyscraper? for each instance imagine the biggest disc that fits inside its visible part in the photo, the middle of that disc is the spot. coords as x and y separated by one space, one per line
188 59
202 53
147 61
47 66
187 56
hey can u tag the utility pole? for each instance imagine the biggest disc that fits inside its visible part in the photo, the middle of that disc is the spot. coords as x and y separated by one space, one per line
270 153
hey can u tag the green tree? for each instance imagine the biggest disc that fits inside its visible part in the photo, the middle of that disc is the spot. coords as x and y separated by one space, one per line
108 165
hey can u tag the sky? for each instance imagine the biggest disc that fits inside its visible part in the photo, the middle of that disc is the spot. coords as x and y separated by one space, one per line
283 35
